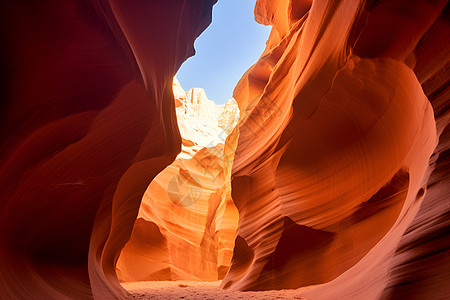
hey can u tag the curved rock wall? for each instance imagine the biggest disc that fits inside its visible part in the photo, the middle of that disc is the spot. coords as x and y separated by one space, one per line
332 151
187 221
337 179
87 121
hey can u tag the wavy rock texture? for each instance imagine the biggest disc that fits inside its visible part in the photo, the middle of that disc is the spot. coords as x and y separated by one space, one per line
187 221
337 179
331 172
88 120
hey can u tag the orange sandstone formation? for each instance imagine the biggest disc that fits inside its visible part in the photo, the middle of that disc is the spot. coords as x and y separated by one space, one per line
187 221
338 169
88 120
333 146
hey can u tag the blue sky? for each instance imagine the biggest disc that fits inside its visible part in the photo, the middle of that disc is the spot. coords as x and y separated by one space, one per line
225 50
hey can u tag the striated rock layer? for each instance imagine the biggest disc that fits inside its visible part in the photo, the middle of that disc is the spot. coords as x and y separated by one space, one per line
187 221
87 121
331 172
340 163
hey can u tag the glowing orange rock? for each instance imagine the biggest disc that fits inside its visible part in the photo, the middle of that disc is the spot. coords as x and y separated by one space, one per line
332 151
331 176
87 121
187 221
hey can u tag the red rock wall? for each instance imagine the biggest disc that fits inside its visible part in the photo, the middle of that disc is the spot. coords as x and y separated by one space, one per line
87 121
336 174
186 224
419 268
187 221
331 172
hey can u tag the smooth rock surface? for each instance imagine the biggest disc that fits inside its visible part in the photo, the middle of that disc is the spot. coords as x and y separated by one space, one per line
333 147
87 121
338 170
187 221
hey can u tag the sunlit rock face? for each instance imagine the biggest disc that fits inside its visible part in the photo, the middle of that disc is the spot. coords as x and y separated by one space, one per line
337 181
87 121
332 160
200 120
186 225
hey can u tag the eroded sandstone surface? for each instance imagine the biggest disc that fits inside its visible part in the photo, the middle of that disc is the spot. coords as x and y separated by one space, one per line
87 121
331 173
338 170
187 221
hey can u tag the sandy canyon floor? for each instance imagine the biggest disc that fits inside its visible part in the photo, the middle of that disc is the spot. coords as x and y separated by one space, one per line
198 290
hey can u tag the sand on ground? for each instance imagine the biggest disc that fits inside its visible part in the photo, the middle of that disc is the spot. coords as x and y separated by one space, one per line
198 290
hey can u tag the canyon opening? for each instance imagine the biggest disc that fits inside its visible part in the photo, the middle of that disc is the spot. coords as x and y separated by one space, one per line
324 175
187 221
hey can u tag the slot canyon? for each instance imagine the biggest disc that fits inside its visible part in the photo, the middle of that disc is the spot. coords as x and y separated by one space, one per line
326 176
